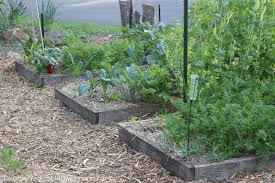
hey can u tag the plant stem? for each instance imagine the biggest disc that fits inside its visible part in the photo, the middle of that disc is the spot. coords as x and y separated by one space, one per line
188 128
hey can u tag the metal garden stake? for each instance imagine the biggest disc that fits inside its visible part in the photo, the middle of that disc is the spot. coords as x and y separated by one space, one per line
42 25
185 50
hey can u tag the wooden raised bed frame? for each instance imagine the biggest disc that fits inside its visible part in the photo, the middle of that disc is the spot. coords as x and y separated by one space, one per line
43 79
188 171
105 116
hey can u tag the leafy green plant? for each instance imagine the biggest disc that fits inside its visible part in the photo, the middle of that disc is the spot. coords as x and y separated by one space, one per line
42 58
28 47
129 80
10 162
105 83
174 130
156 81
92 82
75 66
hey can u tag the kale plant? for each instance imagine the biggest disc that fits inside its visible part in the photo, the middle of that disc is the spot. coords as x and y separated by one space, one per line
106 81
130 81
43 57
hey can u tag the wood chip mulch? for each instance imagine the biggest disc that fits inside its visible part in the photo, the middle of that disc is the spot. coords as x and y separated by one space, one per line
58 146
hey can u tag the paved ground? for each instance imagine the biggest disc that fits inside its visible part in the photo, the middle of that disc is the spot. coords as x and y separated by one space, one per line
107 11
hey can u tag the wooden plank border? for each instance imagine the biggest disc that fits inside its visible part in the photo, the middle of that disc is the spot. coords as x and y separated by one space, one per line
175 166
41 80
76 107
210 171
104 117
28 74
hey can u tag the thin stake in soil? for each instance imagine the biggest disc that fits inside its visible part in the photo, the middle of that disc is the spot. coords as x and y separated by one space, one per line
42 26
159 14
185 50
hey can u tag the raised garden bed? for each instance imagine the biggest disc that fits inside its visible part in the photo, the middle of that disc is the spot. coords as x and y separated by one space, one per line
43 79
103 113
135 137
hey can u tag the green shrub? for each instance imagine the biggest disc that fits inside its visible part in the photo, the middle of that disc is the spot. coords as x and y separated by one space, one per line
232 48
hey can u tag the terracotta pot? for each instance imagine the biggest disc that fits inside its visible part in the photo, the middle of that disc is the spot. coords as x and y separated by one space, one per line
50 69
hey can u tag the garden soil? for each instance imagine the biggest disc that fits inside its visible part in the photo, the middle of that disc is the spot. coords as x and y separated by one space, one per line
58 146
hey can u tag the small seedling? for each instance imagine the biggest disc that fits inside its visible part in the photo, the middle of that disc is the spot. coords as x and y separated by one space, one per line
10 162
105 82
134 120
92 81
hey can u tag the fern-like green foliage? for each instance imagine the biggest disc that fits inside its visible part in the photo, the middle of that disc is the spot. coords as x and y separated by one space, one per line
232 48
10 162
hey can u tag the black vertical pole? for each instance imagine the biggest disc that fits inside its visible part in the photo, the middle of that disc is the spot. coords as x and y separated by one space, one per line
42 26
185 50
131 14
159 14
